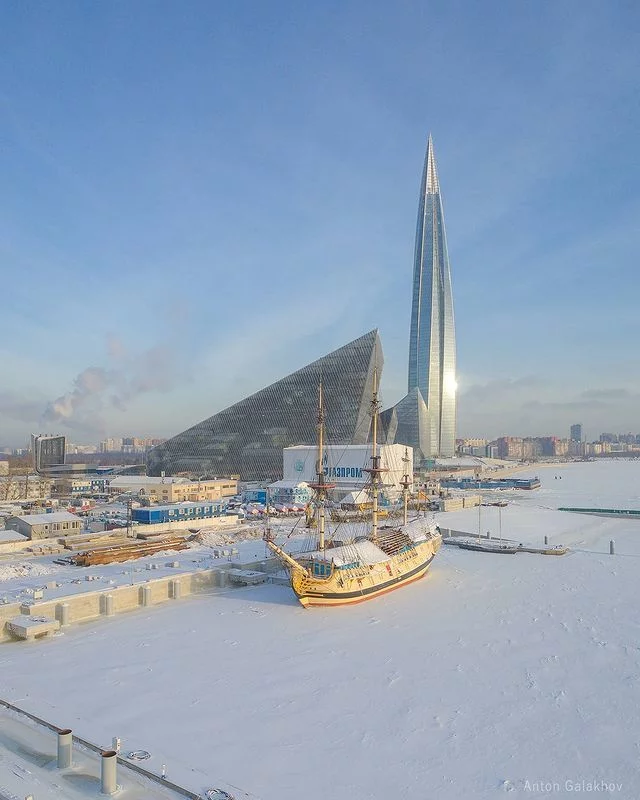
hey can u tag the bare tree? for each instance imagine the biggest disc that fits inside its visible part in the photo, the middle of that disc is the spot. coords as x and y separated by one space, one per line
18 484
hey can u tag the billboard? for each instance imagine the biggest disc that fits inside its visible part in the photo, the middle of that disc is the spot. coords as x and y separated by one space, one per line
346 465
47 451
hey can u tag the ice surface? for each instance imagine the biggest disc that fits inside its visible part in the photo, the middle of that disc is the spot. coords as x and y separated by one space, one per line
490 673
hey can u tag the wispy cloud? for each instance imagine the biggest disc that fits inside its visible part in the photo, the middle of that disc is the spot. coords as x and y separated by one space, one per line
608 394
276 340
501 390
566 405
534 406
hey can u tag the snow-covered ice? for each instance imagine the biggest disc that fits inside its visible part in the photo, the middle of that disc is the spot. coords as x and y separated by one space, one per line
495 674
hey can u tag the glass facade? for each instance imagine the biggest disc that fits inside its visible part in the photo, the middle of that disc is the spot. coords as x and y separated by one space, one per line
432 345
408 423
47 451
247 438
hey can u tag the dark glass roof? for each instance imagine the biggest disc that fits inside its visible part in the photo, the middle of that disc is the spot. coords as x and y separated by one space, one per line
247 438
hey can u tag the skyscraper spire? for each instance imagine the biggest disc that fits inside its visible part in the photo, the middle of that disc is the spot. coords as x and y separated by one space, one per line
432 347
431 173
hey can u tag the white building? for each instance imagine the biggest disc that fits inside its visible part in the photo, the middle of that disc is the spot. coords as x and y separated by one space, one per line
174 490
345 465
45 526
24 487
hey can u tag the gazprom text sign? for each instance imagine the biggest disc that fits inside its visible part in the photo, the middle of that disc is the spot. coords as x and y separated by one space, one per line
343 472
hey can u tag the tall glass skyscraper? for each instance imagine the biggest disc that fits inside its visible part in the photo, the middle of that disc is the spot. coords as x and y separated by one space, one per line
432 340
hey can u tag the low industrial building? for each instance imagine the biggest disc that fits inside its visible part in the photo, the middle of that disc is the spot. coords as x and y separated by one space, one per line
22 488
297 493
255 496
174 490
459 502
71 487
45 526
178 513
490 483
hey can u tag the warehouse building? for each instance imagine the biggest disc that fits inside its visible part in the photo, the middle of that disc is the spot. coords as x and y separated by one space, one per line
174 490
44 526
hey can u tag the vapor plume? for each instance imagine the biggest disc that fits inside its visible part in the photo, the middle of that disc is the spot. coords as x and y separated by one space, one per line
129 376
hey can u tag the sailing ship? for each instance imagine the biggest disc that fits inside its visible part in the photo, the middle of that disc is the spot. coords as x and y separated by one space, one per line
338 572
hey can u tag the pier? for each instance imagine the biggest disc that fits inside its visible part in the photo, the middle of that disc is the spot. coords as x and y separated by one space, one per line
614 513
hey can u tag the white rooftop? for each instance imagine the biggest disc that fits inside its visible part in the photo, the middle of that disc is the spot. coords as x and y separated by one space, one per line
344 446
11 536
144 480
56 516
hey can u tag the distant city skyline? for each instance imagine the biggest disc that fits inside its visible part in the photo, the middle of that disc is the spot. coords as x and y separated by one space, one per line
108 447
199 202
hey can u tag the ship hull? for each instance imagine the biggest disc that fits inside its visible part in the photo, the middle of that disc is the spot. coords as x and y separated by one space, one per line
345 589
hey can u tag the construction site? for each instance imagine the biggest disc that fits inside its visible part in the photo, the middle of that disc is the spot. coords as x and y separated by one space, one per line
57 583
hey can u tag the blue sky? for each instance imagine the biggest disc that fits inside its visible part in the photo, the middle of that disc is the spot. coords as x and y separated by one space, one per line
198 198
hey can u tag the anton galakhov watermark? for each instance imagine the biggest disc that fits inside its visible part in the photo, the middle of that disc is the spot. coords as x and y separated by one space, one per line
581 786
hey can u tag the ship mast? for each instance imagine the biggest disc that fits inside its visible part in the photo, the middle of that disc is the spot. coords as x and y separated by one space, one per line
321 487
375 468
405 483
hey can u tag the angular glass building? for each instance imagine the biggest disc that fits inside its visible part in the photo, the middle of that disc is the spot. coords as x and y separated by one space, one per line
408 423
432 340
247 438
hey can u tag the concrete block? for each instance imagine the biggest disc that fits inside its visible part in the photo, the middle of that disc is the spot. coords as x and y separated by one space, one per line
246 577
27 627
107 605
221 578
62 613
145 595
